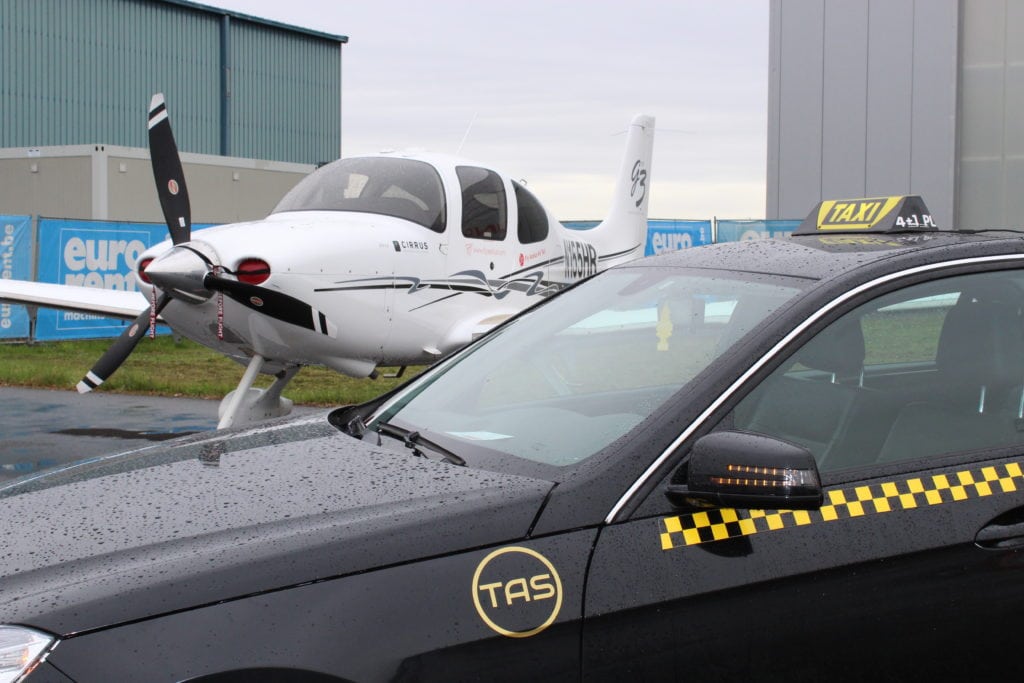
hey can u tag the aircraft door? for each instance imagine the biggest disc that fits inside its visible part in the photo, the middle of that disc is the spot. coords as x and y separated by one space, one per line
506 229
532 230
484 229
484 206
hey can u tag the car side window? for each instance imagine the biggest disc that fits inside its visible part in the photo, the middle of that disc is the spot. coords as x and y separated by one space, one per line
484 207
932 369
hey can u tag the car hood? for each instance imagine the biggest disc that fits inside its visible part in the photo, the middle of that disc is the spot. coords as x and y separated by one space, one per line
208 518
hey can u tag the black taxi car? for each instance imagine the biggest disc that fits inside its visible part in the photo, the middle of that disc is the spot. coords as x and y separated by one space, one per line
780 460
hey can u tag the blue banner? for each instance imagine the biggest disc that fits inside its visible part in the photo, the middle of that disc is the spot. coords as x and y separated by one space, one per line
671 235
663 234
736 231
91 254
15 264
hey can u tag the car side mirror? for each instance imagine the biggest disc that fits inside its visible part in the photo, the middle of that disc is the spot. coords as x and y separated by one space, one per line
746 470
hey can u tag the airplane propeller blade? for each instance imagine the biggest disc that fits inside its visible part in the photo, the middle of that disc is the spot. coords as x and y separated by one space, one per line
114 356
272 303
167 171
174 202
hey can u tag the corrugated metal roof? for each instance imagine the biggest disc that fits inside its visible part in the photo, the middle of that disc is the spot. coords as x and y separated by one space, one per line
258 20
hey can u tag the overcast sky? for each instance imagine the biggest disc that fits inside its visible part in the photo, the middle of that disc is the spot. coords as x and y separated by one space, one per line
544 90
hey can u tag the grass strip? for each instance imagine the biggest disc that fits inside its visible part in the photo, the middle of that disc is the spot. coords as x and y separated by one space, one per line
168 367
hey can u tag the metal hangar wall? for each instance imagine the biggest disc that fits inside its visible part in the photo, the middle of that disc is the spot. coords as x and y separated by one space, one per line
879 97
82 71
255 106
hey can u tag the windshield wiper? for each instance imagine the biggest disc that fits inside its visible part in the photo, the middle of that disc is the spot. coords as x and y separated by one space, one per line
413 440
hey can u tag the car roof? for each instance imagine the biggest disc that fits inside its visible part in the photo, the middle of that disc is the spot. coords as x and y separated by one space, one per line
866 234
822 257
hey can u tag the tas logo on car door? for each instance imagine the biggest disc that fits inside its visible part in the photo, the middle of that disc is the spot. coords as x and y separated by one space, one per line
517 592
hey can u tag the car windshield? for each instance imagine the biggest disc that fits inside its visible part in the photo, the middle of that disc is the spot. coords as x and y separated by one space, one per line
404 188
566 379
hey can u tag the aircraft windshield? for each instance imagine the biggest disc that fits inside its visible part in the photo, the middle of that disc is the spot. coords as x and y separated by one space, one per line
404 188
570 377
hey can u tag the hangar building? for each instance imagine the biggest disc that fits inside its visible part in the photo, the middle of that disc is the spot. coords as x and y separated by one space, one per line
882 97
255 106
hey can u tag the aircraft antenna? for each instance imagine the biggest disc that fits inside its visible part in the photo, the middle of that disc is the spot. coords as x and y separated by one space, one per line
466 134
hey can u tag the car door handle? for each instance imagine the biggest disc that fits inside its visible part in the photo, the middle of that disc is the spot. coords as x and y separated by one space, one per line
1001 536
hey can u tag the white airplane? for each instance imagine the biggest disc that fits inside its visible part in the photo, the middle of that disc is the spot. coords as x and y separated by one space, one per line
383 260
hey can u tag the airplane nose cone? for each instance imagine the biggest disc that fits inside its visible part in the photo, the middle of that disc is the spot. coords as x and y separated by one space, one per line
180 273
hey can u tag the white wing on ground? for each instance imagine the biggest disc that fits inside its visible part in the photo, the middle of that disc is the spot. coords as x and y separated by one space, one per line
113 303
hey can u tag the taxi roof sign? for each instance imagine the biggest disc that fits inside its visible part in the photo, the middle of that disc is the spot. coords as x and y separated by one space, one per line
872 214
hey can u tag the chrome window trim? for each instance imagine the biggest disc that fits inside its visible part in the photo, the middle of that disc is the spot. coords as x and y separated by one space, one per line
611 518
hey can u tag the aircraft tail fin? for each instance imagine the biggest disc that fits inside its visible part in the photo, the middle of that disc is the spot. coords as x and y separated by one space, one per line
626 222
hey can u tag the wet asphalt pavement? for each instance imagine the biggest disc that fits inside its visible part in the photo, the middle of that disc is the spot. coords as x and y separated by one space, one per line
42 428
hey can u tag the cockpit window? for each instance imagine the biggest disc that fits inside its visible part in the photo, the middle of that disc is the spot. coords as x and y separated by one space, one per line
404 188
533 219
483 203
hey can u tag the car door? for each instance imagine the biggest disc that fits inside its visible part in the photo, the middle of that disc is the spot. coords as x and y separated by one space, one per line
911 569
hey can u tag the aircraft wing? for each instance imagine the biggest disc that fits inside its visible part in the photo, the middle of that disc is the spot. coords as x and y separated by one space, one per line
112 303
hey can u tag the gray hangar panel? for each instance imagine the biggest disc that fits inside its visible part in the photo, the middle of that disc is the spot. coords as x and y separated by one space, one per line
863 101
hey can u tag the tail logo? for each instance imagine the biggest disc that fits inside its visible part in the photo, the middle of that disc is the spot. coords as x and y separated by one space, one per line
639 178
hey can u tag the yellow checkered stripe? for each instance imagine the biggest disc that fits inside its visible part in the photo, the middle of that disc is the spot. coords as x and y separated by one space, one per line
940 489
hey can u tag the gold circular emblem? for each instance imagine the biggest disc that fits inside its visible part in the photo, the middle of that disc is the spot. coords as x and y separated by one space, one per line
517 592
